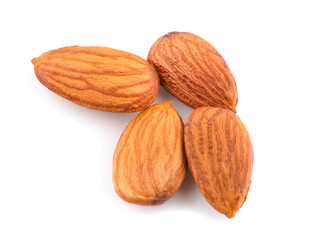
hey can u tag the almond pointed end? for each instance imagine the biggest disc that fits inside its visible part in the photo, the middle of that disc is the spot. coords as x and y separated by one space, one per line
34 60
231 213
167 104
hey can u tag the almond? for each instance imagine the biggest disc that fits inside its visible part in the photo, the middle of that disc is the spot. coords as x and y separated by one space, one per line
99 78
193 71
149 164
220 156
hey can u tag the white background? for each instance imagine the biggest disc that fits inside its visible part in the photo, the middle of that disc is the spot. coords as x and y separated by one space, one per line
56 157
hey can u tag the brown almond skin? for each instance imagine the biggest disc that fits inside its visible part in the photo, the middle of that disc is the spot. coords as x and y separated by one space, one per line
99 78
149 164
220 156
193 71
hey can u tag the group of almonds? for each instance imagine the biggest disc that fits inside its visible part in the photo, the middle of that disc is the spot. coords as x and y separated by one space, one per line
150 160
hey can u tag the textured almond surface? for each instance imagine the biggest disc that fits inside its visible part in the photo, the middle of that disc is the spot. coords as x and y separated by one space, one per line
193 71
99 78
149 164
220 156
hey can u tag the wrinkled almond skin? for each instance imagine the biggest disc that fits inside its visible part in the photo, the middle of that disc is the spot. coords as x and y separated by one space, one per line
149 163
220 156
193 71
99 78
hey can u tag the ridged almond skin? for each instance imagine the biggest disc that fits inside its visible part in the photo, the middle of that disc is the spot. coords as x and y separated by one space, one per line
220 156
149 163
193 71
99 78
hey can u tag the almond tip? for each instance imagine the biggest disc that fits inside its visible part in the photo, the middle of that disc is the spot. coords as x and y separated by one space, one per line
34 61
170 33
231 213
167 104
